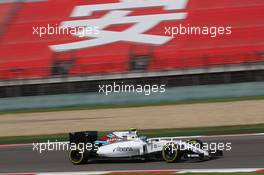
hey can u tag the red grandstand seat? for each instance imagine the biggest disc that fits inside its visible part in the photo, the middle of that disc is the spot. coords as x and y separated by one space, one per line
5 10
24 55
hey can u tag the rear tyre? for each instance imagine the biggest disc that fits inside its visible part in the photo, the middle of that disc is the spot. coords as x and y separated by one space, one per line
77 157
171 153
198 144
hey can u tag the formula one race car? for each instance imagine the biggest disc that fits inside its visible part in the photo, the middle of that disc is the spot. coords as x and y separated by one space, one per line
129 145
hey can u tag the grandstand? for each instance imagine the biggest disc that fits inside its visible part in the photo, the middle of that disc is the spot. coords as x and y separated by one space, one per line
26 56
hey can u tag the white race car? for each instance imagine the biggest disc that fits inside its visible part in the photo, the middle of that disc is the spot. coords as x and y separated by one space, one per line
129 145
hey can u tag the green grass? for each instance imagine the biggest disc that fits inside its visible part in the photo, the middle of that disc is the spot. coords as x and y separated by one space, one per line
237 129
70 108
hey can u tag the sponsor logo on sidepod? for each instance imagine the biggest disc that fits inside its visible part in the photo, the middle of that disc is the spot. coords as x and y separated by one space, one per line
122 149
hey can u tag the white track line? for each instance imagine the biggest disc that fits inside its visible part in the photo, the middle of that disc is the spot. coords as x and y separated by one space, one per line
227 170
179 171
77 173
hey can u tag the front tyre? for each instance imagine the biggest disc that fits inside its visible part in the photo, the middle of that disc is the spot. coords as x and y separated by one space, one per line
196 143
171 153
77 157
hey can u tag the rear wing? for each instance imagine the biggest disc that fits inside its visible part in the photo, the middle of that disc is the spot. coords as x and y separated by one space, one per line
83 137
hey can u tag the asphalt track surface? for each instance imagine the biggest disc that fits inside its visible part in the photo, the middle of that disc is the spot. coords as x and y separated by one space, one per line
247 152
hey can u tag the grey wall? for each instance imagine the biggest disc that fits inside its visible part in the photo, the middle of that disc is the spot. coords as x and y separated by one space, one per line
171 95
